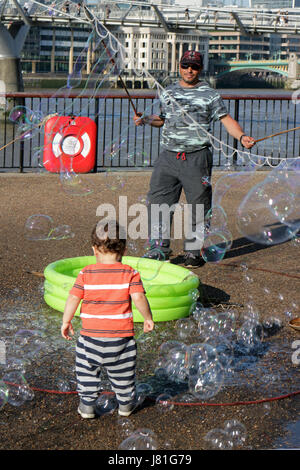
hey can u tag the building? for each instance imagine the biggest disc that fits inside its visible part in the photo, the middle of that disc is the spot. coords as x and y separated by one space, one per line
155 50
233 45
56 49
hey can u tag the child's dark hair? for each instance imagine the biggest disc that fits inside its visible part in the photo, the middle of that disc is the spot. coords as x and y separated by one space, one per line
107 237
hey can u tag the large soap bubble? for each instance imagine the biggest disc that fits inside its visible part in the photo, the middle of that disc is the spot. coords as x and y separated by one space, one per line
38 227
269 214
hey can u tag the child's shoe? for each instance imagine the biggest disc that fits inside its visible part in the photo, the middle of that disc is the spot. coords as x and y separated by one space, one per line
86 411
126 410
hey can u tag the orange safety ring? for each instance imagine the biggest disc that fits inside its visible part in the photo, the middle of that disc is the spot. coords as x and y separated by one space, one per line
70 143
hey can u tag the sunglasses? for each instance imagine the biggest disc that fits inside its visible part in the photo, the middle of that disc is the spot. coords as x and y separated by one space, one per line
193 66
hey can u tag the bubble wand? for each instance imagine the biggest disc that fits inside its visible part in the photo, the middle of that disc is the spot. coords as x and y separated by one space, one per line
277 133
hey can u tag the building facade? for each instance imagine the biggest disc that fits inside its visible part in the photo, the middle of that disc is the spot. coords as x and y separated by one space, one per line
57 49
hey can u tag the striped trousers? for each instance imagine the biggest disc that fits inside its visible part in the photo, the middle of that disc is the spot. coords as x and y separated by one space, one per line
117 356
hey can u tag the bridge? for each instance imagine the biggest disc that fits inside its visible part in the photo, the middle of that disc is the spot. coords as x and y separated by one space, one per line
16 21
282 67
171 18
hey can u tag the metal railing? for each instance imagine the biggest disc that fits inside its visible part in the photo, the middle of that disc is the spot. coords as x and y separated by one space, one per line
122 145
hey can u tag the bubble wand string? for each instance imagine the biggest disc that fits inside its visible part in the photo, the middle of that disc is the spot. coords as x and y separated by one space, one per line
91 18
31 128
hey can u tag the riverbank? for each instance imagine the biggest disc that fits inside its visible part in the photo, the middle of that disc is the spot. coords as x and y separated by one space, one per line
260 397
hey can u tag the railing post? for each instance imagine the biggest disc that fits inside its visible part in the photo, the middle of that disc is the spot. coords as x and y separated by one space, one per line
236 117
97 135
21 165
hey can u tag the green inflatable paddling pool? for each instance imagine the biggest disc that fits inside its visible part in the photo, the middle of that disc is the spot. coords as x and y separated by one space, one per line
171 290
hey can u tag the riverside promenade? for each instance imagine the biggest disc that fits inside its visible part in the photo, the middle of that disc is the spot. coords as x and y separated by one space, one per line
268 408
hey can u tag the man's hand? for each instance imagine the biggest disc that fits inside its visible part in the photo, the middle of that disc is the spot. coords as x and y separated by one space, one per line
247 141
138 120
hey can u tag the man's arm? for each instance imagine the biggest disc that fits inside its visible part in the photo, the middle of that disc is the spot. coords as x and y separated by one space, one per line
234 129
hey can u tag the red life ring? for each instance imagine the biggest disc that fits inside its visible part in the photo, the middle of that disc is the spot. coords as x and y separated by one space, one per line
69 143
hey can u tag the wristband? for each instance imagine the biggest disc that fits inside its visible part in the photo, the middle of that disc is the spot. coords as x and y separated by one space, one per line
243 135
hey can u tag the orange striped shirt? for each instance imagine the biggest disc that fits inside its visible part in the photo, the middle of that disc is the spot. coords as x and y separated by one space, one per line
105 291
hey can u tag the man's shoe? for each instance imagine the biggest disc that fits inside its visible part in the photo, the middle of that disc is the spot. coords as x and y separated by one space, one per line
156 254
126 410
189 260
86 411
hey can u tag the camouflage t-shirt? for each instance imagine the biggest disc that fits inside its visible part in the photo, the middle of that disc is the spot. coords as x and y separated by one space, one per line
188 113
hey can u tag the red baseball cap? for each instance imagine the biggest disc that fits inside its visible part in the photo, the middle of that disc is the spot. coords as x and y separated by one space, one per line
192 57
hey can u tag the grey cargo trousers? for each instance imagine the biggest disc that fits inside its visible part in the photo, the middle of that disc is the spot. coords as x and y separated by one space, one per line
174 171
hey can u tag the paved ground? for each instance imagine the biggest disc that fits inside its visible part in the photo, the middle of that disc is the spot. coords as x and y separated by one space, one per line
50 421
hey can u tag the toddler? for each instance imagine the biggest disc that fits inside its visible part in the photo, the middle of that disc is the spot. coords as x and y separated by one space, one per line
106 340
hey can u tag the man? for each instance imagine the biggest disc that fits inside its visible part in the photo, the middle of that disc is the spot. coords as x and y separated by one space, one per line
186 160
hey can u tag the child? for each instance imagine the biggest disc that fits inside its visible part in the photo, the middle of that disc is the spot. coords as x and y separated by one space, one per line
107 335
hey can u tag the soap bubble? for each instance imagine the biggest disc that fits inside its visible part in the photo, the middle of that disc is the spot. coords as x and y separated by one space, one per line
226 182
201 358
219 439
125 426
207 384
216 218
38 227
139 440
167 347
114 180
236 431
172 361
185 327
106 404
206 375
225 352
213 325
17 388
72 184
250 335
214 246
28 121
194 294
164 402
257 219
63 385
143 390
23 337
61 233
271 326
